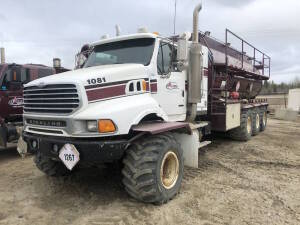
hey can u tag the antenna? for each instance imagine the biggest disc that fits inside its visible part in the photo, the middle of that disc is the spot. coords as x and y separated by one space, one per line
175 12
174 33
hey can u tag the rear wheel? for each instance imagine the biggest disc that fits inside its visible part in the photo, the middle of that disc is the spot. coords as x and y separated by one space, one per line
244 131
153 169
263 119
255 122
49 166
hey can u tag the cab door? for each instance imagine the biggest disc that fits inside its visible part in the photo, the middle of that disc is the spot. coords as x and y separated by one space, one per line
171 93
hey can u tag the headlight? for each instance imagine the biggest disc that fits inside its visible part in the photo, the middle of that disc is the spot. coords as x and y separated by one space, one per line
102 126
92 126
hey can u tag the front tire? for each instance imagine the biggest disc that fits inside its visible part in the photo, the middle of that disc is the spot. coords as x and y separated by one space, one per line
153 169
49 166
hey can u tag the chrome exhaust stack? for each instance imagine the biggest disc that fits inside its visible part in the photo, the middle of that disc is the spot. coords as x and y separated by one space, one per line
118 30
196 22
195 72
2 53
56 63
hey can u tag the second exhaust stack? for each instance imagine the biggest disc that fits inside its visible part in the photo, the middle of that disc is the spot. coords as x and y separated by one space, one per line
195 69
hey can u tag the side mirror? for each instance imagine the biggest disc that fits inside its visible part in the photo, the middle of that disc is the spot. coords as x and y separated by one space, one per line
80 60
182 50
183 46
82 56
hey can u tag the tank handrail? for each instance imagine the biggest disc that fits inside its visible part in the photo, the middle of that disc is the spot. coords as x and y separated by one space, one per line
262 63
229 31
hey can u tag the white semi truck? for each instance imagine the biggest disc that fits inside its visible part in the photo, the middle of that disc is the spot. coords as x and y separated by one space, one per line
149 101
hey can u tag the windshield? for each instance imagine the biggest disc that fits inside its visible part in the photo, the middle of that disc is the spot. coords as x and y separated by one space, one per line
16 75
128 51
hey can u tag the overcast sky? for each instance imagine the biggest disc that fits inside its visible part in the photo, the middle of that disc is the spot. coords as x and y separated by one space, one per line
35 31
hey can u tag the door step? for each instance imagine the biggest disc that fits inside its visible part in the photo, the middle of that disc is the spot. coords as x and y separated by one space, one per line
204 143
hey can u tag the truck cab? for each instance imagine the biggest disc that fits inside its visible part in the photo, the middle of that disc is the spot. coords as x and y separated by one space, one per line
135 76
12 78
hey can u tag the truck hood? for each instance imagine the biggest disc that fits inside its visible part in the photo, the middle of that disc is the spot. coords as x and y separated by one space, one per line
99 74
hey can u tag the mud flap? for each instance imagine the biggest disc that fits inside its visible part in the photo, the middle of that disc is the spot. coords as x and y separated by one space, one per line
3 136
22 147
190 145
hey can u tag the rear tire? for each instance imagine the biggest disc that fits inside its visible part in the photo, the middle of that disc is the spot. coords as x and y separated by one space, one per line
244 131
49 166
263 118
255 122
153 169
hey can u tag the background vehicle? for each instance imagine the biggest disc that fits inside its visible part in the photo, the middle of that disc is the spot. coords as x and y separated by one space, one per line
12 78
148 100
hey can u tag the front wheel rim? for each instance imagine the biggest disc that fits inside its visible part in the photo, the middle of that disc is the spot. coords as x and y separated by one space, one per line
169 170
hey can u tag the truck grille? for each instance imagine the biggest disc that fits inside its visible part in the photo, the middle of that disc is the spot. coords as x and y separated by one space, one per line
52 98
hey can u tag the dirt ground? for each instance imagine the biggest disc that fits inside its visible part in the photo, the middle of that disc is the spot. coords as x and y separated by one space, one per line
257 182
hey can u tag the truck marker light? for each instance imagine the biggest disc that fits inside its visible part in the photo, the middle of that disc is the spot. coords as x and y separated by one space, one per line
144 85
15 76
55 148
106 126
34 144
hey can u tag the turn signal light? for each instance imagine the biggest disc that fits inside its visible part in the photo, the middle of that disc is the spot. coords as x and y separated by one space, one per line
144 85
106 126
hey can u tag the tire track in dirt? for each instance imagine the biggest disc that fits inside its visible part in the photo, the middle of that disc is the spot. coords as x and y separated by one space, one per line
211 159
277 202
239 160
272 164
129 212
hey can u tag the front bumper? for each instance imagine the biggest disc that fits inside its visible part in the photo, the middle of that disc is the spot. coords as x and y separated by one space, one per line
8 133
91 150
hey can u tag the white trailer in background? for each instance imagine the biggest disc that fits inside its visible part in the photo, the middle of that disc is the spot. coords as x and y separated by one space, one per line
294 99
